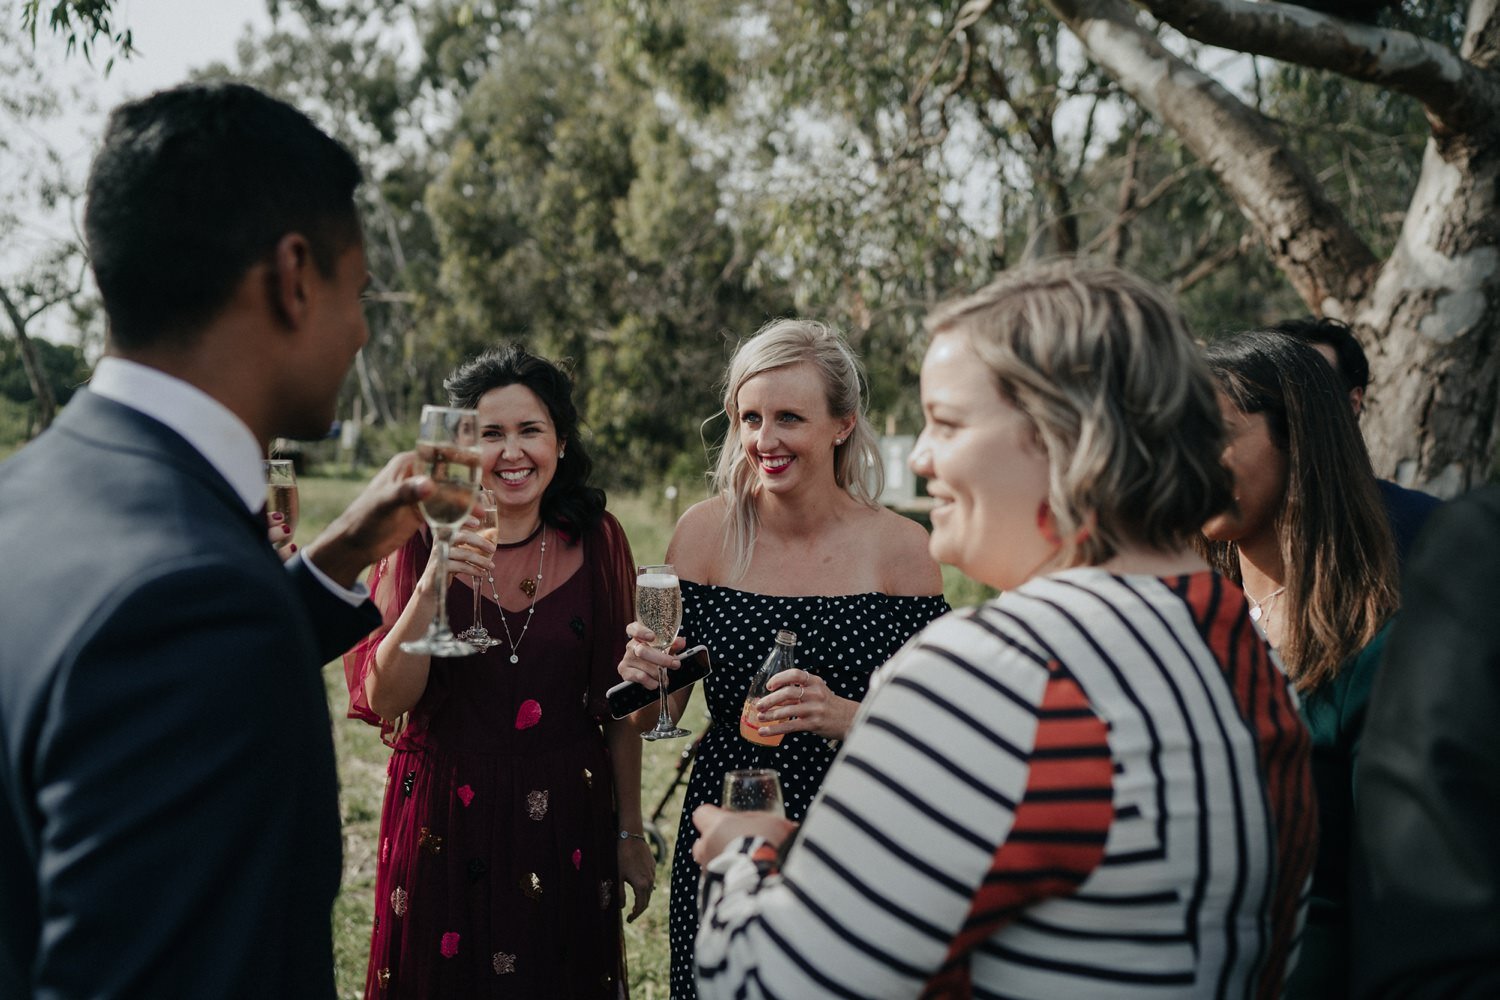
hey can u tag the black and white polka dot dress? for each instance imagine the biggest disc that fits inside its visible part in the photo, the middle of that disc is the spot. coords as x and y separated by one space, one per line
841 639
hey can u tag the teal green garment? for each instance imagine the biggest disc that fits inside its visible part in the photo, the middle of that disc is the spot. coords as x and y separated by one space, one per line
1335 716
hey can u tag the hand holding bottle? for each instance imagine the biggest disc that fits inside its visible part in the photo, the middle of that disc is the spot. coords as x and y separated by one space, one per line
783 698
801 702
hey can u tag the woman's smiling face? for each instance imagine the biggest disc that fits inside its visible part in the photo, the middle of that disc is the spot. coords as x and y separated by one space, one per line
986 471
520 448
785 429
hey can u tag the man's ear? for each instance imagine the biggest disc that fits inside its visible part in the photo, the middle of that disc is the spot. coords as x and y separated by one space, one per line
289 279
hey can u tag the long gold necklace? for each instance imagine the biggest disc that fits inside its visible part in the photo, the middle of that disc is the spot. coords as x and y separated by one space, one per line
536 588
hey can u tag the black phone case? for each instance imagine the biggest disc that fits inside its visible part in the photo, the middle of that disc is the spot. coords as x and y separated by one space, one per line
628 697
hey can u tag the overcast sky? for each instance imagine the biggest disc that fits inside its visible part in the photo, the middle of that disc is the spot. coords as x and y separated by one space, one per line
173 37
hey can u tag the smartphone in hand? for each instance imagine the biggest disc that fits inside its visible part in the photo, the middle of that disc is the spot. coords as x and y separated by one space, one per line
628 697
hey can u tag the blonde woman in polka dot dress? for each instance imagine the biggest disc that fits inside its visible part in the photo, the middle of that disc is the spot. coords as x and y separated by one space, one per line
792 539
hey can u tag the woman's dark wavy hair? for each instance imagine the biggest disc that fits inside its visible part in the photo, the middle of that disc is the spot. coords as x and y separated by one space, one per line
569 503
1337 551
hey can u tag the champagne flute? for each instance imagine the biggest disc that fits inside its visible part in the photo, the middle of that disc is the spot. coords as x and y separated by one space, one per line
281 495
658 606
448 442
755 790
476 634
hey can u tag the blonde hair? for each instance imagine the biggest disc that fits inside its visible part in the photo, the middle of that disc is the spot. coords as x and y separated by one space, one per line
856 462
1118 394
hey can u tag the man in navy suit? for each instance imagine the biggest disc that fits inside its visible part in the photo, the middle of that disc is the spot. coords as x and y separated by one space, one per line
1407 510
169 820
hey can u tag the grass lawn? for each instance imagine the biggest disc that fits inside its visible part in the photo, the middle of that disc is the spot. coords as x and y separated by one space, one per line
362 759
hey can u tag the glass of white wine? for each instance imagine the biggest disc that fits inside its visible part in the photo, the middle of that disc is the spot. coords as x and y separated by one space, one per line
476 634
448 444
658 606
281 495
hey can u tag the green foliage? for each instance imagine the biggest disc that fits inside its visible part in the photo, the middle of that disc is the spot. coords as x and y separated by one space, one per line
635 185
575 216
83 23
62 366
16 425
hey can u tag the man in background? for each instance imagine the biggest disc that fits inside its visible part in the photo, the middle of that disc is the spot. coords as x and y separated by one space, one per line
1426 876
169 822
1406 509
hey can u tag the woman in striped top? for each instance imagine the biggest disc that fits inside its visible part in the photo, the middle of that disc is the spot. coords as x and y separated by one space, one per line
1096 784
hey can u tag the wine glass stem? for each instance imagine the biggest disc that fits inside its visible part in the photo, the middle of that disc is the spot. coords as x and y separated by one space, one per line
663 721
440 616
477 626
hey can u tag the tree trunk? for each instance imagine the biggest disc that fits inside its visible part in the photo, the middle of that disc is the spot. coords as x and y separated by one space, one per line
1428 315
1431 326
46 405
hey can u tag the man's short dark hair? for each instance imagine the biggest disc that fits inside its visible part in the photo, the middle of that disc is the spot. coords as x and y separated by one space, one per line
1353 366
194 185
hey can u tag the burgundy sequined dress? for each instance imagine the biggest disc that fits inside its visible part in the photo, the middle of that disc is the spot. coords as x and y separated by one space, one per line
496 871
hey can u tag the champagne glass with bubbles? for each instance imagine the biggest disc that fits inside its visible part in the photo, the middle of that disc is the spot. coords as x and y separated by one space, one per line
658 606
755 790
448 445
476 634
281 494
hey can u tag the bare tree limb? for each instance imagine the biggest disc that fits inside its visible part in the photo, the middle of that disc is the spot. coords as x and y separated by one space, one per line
1458 95
1139 204
1212 263
1310 240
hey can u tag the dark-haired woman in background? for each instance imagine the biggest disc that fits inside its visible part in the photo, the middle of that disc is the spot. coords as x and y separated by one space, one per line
512 806
1309 541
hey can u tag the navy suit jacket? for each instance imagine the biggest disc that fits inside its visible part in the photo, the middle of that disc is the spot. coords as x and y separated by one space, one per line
169 821
1426 877
1407 510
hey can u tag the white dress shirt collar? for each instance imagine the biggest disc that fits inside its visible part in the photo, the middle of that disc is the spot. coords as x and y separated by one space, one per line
208 425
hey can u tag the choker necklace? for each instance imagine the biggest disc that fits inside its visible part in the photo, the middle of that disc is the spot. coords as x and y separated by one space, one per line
1259 609
515 644
517 544
528 585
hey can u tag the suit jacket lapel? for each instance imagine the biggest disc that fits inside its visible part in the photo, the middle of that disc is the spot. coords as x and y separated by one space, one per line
113 425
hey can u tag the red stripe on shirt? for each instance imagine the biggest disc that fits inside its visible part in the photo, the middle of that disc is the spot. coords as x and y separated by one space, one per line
1024 871
1282 746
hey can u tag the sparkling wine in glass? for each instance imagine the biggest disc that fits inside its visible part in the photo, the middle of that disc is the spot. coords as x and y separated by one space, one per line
448 444
658 606
755 790
476 634
281 495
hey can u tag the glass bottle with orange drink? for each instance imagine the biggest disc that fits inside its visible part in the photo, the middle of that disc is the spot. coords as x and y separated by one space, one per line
781 658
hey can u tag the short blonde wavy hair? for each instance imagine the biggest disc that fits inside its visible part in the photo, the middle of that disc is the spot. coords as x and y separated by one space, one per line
1119 395
857 467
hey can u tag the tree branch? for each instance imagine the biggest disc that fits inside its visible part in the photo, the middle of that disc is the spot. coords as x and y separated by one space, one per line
1310 240
1458 95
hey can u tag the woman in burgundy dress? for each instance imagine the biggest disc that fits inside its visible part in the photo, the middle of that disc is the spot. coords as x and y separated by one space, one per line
512 807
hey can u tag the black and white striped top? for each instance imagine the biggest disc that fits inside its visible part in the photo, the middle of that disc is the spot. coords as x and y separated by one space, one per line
1092 786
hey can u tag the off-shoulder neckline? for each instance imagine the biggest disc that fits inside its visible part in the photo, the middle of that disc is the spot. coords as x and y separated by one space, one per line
815 597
